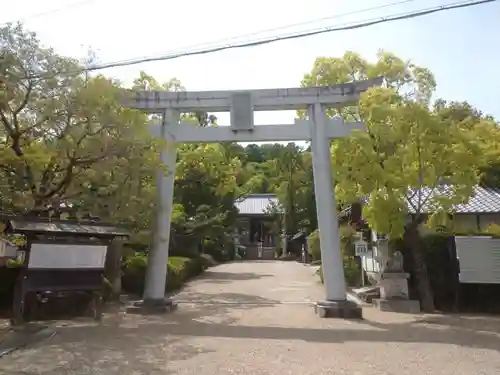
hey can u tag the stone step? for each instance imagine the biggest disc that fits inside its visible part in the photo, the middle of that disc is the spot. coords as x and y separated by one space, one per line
367 293
397 305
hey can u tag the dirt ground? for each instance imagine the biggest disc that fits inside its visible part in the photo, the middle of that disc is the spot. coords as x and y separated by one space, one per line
257 318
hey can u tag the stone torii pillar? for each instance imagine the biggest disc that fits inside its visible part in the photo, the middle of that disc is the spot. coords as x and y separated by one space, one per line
241 105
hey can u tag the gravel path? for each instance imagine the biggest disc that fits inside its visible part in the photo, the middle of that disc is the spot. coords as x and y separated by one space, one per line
254 318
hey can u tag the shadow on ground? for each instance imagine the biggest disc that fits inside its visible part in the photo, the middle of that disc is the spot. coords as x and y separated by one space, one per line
106 349
474 332
474 323
184 326
228 277
221 306
126 344
146 344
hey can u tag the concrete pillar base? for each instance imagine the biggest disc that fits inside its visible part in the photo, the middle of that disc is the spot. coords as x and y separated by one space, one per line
338 309
152 306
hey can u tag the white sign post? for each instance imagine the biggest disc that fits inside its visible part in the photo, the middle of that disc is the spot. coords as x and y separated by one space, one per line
241 105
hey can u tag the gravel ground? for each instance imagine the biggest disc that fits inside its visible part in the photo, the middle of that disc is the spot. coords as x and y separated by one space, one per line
256 318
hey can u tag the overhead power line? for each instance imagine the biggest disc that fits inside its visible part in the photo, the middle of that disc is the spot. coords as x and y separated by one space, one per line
307 33
298 35
289 26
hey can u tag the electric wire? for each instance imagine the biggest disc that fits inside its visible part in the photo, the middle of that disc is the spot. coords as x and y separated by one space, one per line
273 39
289 26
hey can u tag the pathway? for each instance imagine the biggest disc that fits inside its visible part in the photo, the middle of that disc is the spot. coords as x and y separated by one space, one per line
253 318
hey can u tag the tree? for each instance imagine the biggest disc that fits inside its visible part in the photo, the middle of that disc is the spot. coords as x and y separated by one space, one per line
486 130
59 127
204 195
410 161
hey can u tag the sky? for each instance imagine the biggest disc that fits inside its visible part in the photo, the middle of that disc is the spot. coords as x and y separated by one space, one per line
458 46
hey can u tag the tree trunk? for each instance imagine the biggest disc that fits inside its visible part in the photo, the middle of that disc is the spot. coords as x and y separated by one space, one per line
112 269
412 242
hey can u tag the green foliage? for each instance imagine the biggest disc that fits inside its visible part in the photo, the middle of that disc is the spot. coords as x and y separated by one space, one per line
313 247
69 146
412 158
207 261
206 187
493 230
404 165
352 271
407 146
13 263
346 242
180 269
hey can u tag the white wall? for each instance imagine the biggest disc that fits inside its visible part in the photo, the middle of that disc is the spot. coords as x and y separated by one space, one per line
479 259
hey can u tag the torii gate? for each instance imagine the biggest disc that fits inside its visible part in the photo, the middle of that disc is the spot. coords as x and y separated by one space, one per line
241 105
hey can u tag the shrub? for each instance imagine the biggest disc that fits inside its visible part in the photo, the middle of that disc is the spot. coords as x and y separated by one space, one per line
313 247
221 251
346 232
346 242
180 269
352 272
207 261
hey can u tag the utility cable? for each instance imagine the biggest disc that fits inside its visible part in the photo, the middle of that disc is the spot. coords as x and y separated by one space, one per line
307 33
289 26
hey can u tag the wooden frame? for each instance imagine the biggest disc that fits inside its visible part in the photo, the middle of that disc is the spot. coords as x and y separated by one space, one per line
42 281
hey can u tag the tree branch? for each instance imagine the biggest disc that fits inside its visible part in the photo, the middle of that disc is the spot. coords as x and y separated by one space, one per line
24 102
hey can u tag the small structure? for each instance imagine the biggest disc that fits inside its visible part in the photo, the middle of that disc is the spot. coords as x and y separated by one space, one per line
59 257
299 240
393 281
255 224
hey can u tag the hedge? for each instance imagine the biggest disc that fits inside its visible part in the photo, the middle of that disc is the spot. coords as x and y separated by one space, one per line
180 269
352 270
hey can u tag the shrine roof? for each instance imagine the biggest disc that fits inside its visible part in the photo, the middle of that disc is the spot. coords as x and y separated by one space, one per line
61 227
256 204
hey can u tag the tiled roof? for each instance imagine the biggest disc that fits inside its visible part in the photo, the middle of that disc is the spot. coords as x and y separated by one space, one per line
256 204
483 200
